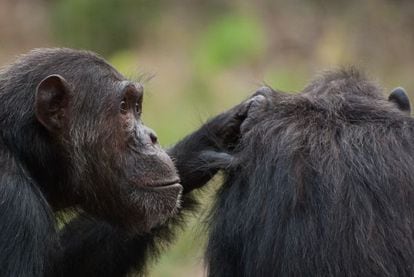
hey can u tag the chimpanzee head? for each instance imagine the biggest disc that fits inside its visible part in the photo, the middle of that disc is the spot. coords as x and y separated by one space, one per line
75 123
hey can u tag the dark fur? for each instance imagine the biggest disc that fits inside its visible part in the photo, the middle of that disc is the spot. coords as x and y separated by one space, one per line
101 163
321 185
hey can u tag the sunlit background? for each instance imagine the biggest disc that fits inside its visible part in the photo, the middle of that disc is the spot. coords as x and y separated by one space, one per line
197 57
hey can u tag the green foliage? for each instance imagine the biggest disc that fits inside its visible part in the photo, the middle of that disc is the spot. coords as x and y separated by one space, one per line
125 62
101 25
228 41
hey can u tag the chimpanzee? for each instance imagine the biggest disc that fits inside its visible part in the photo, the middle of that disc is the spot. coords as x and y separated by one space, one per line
321 184
71 137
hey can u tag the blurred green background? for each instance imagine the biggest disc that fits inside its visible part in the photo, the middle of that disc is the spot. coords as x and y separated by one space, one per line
197 58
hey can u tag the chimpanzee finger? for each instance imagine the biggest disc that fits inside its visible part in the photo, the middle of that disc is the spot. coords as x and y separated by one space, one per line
265 91
216 160
236 117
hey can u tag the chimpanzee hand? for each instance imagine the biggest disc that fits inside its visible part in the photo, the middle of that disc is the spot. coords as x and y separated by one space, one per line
200 155
227 128
224 129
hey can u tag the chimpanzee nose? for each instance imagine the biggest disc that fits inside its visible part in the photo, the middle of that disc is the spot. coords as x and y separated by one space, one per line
153 137
148 135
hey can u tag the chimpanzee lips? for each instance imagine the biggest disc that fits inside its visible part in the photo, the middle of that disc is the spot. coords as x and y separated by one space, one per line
165 184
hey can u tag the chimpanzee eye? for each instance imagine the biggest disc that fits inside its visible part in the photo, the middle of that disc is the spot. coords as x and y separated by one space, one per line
124 106
138 108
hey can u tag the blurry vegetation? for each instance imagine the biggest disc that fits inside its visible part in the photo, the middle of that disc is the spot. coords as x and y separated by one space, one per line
229 41
206 56
103 26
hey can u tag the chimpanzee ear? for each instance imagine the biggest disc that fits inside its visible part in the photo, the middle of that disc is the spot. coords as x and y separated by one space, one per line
400 98
52 99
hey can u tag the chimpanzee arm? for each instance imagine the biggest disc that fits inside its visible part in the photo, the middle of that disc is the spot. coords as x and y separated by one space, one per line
200 155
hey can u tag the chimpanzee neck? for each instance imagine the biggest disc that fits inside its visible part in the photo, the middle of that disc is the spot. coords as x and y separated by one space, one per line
42 161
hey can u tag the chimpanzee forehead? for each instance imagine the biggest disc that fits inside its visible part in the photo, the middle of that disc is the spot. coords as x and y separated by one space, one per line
127 84
110 87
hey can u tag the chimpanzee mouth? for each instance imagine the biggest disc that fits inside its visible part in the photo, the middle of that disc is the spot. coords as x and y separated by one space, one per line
165 185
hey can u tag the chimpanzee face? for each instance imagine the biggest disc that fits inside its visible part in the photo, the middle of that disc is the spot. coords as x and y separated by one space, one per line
118 171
